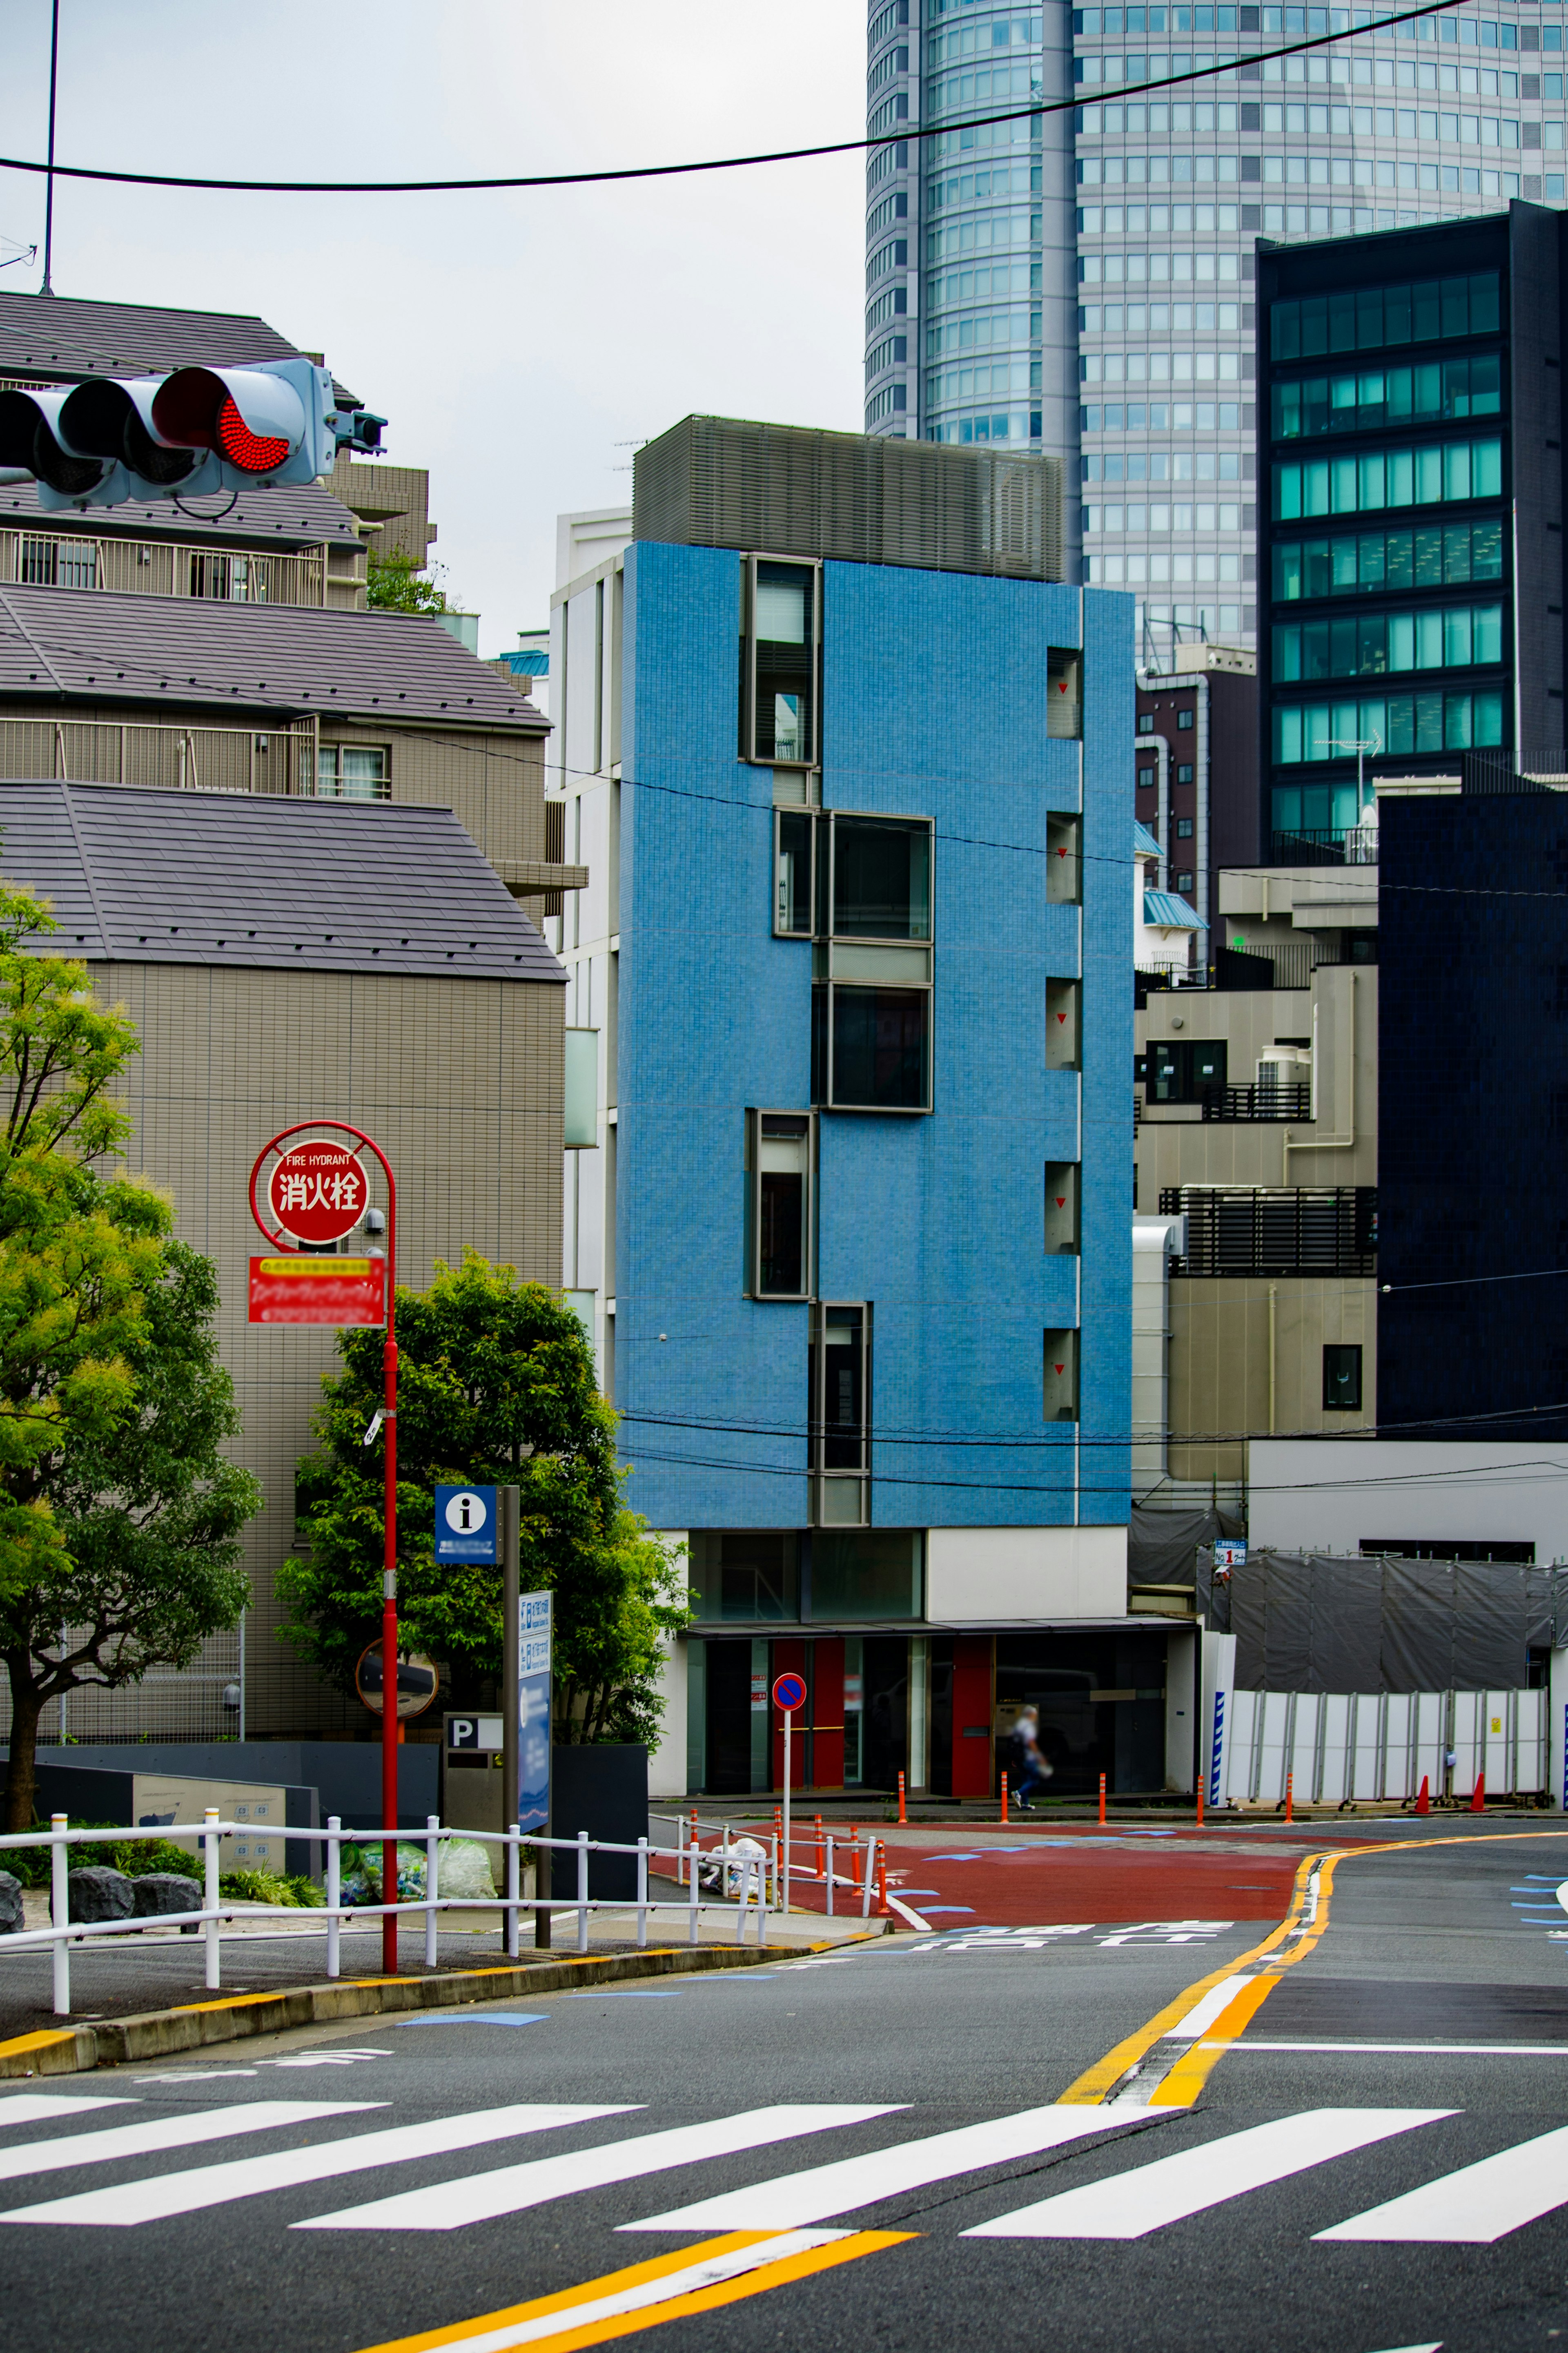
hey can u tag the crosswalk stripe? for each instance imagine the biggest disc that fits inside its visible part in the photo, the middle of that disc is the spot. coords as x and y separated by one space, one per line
1130 2204
791 2199
248 2177
482 2196
1476 2205
49 2108
155 2134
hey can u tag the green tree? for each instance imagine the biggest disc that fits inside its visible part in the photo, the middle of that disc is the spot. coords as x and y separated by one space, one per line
495 1387
397 585
152 1519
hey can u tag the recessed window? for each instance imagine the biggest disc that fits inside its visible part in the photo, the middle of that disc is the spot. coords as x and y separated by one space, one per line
1184 772
1181 1070
1183 828
1341 1377
1061 1025
1183 884
860 887
780 1157
839 1406
1183 718
1060 1398
1063 871
779 664
351 771
1146 779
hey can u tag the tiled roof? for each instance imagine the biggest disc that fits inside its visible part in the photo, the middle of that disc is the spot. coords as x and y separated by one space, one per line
282 658
296 518
43 333
150 876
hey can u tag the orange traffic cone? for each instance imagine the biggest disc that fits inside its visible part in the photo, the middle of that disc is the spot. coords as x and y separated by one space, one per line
1424 1802
1478 1797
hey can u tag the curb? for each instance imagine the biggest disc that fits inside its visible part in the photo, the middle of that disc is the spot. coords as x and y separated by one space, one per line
160 2033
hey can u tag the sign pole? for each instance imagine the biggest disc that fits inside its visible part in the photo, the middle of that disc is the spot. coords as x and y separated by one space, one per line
789 1725
789 1692
389 1723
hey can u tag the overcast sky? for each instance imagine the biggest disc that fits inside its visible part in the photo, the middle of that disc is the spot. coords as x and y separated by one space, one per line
518 343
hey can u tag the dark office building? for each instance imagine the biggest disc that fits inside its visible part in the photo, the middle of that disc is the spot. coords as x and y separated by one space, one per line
1473 1116
1410 429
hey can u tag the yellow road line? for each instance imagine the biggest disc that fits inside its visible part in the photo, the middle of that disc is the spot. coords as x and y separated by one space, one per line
1187 2079
1096 2083
495 2325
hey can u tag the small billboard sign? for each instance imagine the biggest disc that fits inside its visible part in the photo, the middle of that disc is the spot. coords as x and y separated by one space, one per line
466 1524
304 1288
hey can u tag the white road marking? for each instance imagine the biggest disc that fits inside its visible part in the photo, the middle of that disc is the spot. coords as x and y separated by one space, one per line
1435 2050
449 2206
1202 2015
1478 2204
155 2134
248 2177
791 2199
48 2108
1150 2197
708 2273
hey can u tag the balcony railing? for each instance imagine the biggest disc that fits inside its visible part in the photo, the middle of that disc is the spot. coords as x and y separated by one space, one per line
1256 1102
1354 845
1276 1230
278 760
50 559
1290 964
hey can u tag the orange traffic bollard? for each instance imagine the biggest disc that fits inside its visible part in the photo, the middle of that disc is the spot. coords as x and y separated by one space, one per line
1289 1797
1102 1802
1003 1798
1200 1820
854 1855
1424 1801
902 1816
692 1847
881 1878
821 1855
1478 1798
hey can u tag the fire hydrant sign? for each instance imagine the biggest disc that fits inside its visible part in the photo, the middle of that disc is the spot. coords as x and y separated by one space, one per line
317 1192
299 1289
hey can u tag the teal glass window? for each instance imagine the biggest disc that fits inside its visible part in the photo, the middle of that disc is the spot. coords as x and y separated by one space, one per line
1370 318
1436 473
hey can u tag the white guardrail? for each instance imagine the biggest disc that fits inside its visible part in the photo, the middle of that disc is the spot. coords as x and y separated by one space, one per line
745 1873
1343 1747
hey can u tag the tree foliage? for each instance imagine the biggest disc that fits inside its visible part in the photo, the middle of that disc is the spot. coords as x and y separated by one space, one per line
118 1518
397 585
495 1388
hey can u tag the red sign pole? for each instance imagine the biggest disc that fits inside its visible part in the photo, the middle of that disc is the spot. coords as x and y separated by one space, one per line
389 1724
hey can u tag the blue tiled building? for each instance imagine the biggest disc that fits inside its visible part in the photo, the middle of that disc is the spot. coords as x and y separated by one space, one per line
863 1186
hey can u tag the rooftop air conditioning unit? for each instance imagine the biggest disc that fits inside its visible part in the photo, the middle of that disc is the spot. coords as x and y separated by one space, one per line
1279 1067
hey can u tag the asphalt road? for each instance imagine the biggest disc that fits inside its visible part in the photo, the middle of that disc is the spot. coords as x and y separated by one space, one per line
1374 2153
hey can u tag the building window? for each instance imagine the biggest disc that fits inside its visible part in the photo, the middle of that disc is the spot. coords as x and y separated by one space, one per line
1184 772
1341 1377
1184 824
1146 779
1183 718
1183 884
1181 1070
780 1158
860 888
1060 1397
839 1406
779 663
353 771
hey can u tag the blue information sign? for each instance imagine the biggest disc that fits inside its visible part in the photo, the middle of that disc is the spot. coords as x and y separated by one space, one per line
466 1524
534 1631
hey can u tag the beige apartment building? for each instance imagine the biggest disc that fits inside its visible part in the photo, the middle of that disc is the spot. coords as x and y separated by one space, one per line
1255 1204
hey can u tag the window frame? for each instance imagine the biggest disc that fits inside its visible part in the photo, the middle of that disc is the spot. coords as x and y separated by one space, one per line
838 1478
749 644
755 1173
1353 1348
336 747
856 962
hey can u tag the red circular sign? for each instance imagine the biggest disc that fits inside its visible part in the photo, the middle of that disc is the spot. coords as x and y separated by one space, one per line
317 1192
789 1691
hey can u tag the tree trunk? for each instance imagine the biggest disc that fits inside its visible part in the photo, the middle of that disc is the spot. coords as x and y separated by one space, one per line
22 1783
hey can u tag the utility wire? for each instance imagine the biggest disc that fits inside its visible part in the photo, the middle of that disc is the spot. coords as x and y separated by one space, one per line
908 132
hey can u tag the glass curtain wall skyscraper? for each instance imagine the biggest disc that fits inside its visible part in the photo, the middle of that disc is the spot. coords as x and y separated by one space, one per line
1155 202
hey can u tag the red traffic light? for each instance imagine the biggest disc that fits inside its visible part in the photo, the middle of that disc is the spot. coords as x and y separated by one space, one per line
255 453
254 422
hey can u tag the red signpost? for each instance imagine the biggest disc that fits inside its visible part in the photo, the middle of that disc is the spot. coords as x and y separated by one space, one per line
316 1194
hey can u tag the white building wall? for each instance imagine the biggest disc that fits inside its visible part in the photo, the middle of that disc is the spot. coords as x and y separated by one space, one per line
1331 1495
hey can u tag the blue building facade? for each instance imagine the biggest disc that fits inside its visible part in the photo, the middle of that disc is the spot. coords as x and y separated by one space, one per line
872 1175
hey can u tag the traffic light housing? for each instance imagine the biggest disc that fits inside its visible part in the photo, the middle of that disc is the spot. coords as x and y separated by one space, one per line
149 438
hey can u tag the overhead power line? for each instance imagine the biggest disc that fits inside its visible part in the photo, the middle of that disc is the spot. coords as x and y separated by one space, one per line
913 132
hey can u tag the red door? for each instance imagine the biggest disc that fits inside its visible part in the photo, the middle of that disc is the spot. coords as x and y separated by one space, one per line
789 1658
828 1715
973 1747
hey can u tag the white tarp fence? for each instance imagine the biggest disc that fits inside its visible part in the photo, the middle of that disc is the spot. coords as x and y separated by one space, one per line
1375 1745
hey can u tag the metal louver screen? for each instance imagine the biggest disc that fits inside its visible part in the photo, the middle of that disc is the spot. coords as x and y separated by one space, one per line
1286 1229
717 481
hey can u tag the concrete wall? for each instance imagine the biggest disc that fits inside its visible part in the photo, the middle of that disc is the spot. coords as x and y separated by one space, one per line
1314 1494
459 1081
1219 1362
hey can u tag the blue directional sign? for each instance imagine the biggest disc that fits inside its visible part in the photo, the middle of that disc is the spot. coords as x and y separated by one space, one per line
466 1524
533 1661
